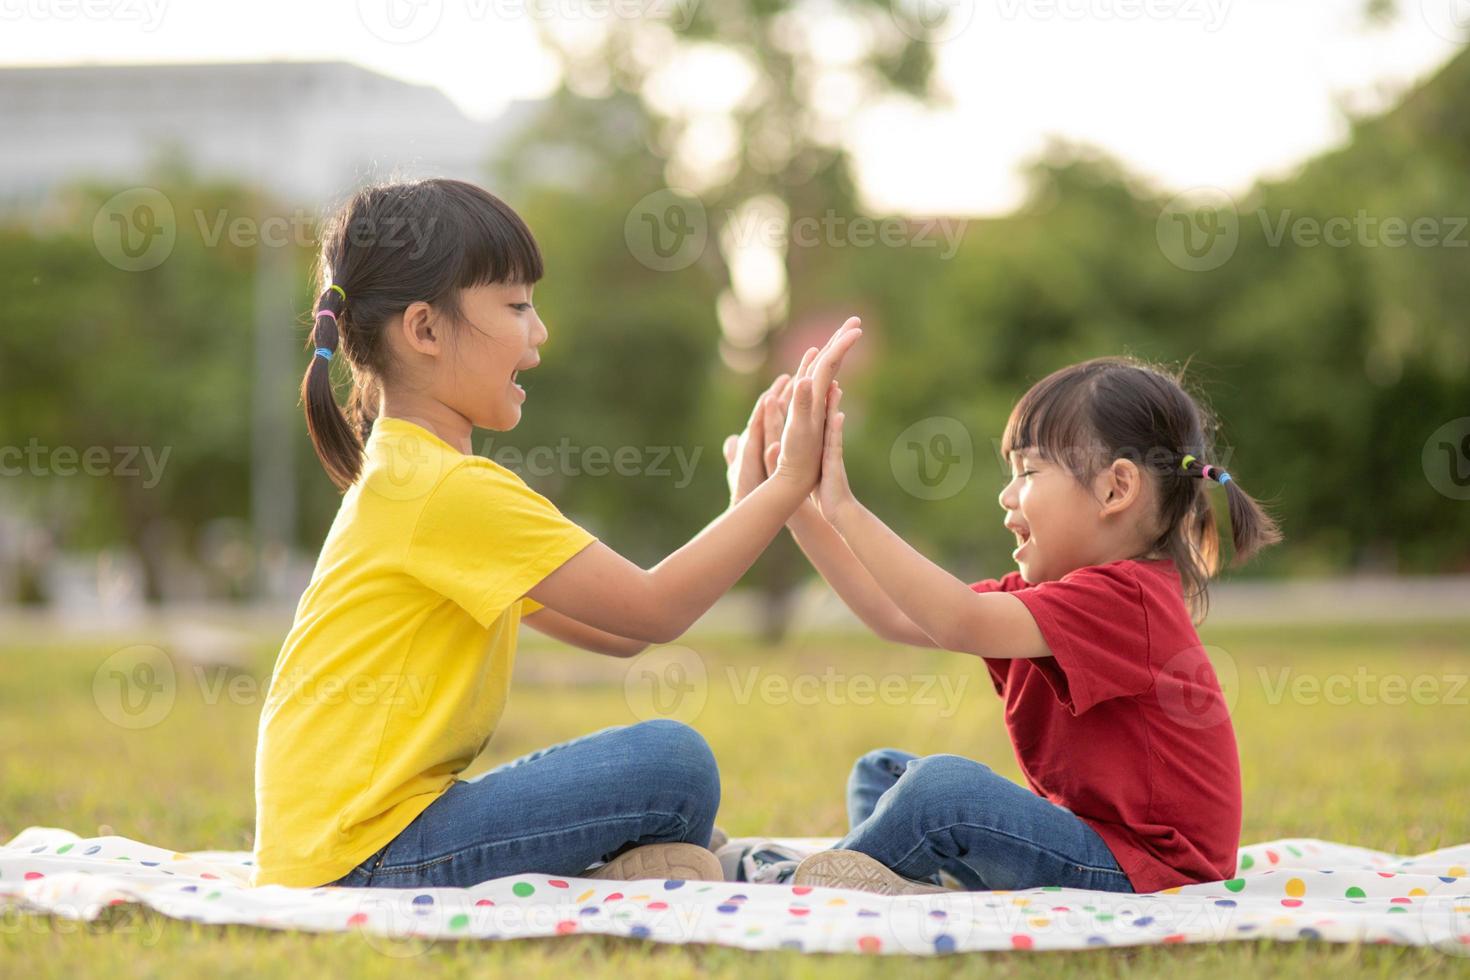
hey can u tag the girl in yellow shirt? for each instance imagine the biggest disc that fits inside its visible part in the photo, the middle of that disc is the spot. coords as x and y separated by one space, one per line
394 674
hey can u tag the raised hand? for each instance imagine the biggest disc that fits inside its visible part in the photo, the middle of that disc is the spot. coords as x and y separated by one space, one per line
833 492
746 453
806 415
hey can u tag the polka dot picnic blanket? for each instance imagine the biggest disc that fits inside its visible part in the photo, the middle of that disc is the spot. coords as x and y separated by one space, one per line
1287 890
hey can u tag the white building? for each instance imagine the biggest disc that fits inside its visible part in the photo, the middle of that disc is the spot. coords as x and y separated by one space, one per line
307 131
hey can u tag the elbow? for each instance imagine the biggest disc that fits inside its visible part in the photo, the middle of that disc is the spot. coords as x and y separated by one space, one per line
627 650
954 638
662 632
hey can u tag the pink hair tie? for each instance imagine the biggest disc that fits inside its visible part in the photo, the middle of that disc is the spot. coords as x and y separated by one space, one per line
327 313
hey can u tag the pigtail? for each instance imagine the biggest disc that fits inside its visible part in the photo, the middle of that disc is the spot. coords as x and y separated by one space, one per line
338 445
1251 527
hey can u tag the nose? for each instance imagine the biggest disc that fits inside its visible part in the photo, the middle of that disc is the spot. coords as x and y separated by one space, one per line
539 333
1007 497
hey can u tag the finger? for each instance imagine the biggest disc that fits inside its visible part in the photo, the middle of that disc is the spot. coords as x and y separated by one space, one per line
832 447
755 412
731 443
783 397
752 447
847 325
801 400
776 414
834 396
804 368
773 454
826 366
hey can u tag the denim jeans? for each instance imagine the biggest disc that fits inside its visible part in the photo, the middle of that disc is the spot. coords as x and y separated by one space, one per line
947 813
557 811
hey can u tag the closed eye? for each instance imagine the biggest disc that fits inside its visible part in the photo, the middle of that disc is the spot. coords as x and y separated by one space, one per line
522 307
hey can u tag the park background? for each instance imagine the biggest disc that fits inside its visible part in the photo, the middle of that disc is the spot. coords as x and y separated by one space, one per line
698 187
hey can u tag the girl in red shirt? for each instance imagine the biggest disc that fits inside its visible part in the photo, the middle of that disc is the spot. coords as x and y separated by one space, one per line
1113 709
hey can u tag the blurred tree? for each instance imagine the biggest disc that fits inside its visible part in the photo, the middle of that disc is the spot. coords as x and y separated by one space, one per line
744 107
147 369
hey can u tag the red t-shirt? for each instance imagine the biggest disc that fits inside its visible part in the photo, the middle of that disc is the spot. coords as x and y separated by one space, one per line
1125 724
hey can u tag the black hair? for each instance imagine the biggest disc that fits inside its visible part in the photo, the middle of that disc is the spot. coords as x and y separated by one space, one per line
389 246
1087 415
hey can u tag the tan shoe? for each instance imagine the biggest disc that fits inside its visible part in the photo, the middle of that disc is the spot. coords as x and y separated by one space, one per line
858 871
688 862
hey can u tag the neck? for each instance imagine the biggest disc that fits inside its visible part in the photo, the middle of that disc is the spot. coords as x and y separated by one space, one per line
433 415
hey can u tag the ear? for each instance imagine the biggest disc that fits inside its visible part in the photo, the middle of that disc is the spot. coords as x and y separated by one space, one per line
419 331
1119 486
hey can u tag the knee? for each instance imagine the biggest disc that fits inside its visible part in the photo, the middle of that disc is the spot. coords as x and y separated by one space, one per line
680 757
880 762
938 780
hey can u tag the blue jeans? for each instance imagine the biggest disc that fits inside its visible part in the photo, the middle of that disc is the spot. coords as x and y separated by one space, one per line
947 813
557 811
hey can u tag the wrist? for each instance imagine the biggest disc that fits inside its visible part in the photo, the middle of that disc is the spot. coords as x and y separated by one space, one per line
806 516
790 483
844 513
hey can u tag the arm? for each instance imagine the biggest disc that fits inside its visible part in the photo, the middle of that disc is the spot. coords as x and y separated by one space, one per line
750 457
992 624
836 563
568 630
601 589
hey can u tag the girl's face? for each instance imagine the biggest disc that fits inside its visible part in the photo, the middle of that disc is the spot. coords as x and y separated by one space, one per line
500 337
1058 523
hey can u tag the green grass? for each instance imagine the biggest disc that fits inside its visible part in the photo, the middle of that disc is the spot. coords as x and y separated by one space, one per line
1346 767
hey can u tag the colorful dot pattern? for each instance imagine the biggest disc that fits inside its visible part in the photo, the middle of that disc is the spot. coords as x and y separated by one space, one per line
1291 890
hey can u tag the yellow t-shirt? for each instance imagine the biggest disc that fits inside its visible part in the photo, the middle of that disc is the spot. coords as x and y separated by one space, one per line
394 674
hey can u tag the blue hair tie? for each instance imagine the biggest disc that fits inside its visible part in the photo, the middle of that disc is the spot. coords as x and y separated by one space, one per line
1224 478
325 353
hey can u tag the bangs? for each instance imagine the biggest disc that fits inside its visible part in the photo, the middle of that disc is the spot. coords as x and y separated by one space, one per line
498 247
1052 420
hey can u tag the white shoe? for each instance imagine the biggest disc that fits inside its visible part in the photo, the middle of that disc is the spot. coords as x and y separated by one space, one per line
688 862
858 871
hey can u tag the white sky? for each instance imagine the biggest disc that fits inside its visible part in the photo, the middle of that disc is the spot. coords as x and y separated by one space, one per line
1187 92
